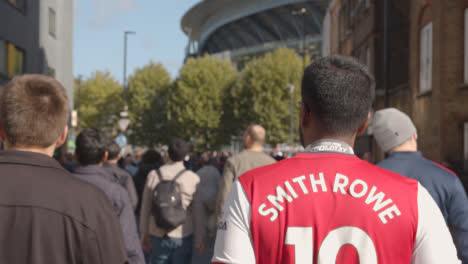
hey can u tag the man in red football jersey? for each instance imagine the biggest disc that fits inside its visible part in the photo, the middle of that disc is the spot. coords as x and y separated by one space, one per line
326 205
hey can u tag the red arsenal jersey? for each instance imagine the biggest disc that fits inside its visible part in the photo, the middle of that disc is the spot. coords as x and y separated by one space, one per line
330 208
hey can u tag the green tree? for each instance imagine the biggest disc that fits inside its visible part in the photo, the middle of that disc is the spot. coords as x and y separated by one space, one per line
99 99
261 94
196 101
147 102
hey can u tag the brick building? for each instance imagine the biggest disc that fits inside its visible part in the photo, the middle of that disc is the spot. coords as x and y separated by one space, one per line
427 65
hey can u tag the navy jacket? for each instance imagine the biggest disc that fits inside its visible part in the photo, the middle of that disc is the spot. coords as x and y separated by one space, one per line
103 179
445 188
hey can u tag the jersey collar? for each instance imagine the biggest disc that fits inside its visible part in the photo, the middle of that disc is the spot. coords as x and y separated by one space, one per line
329 146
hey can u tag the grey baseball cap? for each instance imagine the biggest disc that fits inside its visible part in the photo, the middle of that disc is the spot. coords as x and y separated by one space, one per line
392 128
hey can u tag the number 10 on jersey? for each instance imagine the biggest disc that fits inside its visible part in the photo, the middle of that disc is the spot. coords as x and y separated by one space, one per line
302 240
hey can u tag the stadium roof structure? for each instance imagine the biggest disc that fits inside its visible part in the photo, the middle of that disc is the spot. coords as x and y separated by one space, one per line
215 26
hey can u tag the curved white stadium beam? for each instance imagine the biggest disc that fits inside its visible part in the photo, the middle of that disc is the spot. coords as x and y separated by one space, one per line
209 15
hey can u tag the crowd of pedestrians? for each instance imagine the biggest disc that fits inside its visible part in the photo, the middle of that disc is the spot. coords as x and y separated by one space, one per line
180 206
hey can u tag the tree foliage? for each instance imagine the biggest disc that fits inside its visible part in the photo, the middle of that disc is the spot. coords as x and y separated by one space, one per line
99 99
147 102
261 95
196 100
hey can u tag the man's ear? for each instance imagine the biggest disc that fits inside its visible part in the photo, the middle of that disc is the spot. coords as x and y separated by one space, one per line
62 138
366 123
106 155
304 117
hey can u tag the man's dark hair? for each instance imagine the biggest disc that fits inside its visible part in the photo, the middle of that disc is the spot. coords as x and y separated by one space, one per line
205 159
178 149
340 92
34 111
91 146
113 151
151 157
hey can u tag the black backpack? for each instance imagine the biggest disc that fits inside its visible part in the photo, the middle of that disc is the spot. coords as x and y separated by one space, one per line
167 206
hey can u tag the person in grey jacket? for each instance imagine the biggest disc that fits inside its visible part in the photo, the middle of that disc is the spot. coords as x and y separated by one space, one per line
121 176
396 134
91 152
250 158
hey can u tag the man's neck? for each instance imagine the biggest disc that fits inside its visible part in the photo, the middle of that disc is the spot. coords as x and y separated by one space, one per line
45 151
348 140
404 149
255 148
408 146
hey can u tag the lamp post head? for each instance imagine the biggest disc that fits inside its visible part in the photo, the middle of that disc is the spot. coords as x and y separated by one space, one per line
129 32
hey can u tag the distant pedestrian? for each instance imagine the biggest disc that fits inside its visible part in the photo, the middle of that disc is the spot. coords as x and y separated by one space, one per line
170 244
122 177
46 214
91 146
397 136
250 158
151 160
208 191
129 165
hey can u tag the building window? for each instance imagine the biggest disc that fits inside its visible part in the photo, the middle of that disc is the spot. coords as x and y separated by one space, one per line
51 72
11 59
466 47
18 4
52 23
425 63
3 58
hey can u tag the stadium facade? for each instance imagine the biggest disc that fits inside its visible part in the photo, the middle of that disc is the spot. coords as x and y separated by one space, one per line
237 30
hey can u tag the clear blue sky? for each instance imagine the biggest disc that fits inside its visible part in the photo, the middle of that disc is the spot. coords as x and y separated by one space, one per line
98 35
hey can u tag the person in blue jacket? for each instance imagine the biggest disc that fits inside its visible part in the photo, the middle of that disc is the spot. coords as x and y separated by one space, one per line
397 136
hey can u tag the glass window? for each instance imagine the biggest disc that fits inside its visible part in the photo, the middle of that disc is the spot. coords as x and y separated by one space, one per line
15 60
425 64
18 3
3 57
52 23
51 72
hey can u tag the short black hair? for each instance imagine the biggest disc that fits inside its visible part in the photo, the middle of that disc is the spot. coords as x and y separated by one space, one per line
340 91
151 157
178 149
91 146
205 159
113 151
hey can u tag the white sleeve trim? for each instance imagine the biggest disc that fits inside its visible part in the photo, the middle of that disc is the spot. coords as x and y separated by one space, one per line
433 244
233 241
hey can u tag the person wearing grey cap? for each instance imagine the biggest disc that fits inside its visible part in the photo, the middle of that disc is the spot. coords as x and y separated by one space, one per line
397 136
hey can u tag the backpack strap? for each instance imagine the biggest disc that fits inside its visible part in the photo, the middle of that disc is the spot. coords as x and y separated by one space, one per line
158 172
179 174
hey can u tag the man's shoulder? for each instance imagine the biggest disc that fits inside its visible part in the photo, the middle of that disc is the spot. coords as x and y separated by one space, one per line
102 181
251 156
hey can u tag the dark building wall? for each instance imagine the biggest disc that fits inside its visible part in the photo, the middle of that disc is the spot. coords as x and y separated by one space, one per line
439 115
22 29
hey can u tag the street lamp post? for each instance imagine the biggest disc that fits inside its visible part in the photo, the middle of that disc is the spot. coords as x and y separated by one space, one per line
125 86
291 126
302 12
